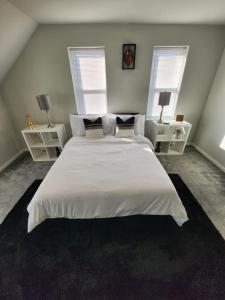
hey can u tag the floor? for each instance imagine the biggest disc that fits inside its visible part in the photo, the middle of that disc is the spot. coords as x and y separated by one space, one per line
17 178
206 182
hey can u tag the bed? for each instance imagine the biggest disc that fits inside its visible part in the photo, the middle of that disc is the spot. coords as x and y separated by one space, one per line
103 178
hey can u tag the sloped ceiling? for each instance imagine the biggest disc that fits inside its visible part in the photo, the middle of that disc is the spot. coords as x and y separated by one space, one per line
19 18
15 30
124 11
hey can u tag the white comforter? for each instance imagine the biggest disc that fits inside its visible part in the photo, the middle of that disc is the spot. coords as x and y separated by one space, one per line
105 177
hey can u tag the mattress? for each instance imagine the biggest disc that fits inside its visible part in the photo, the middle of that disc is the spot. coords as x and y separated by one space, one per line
105 177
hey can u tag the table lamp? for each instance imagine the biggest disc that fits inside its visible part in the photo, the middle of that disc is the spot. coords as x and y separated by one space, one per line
164 100
45 104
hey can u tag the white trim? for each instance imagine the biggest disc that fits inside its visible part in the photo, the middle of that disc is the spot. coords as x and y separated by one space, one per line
210 158
11 160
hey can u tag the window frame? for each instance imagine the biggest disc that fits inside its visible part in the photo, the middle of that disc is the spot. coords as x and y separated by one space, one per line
80 105
153 90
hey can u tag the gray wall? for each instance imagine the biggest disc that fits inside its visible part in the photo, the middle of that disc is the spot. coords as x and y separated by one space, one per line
43 67
15 30
211 129
9 145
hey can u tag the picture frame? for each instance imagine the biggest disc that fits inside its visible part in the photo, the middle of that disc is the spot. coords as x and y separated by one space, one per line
128 56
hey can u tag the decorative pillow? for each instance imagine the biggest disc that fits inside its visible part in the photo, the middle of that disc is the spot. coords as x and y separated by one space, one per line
125 128
78 128
139 123
93 128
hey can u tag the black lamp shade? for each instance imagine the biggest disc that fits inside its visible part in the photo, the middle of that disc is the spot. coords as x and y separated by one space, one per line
44 102
164 98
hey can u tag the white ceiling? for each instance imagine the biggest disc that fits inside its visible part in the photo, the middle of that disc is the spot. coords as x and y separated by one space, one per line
124 11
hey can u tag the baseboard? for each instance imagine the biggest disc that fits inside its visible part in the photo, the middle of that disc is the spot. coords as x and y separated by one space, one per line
206 155
11 160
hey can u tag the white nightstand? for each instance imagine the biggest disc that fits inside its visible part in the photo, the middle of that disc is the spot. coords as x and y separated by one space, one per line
45 143
165 140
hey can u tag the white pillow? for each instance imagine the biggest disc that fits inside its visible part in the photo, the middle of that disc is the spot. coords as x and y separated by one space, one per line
77 125
108 121
139 127
108 124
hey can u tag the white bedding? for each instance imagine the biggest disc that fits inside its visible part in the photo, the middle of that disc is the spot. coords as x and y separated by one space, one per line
105 177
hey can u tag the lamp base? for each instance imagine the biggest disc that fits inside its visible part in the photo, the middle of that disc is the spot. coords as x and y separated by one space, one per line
160 121
50 123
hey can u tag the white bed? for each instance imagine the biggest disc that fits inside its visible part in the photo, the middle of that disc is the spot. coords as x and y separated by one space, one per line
105 177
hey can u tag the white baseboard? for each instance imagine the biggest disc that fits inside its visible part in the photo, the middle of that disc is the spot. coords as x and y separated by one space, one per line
12 159
206 155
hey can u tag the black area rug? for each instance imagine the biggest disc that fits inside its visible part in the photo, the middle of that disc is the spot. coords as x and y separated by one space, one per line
139 257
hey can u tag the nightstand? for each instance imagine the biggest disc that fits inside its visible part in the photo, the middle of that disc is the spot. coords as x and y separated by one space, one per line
170 138
45 144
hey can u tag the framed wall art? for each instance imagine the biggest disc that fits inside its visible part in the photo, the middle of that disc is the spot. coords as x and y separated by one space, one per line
128 56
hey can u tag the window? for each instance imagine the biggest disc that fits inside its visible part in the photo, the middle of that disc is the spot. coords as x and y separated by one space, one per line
168 65
89 79
222 144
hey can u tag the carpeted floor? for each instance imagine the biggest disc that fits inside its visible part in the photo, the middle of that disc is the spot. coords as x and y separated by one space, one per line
139 257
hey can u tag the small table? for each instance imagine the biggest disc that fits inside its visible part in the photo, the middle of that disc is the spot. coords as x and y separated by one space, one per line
165 139
45 144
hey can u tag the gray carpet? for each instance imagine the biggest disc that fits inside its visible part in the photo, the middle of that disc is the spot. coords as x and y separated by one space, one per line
205 181
15 180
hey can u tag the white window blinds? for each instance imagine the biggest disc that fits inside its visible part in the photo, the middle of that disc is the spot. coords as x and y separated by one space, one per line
168 65
89 79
